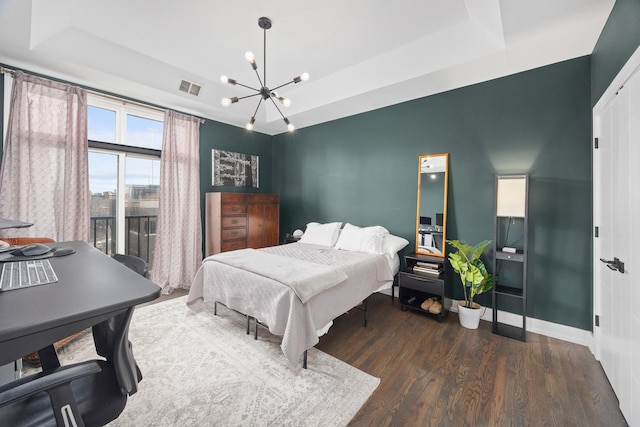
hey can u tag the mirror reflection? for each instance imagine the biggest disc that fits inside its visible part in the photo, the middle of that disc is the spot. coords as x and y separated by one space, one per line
431 218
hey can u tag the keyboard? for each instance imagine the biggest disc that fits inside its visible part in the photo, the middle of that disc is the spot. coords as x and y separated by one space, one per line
22 274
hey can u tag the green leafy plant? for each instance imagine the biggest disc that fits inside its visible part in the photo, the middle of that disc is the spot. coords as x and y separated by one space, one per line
473 274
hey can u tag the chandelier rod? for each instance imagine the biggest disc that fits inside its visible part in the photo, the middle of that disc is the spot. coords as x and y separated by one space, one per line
259 79
248 87
277 108
282 85
248 96
258 106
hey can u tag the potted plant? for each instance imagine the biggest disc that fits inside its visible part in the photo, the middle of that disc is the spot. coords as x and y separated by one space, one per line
474 277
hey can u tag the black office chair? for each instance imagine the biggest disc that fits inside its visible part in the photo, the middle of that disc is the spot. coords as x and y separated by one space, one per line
91 393
135 263
87 393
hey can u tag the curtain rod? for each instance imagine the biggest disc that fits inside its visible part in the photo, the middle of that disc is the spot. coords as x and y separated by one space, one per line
5 70
127 101
124 101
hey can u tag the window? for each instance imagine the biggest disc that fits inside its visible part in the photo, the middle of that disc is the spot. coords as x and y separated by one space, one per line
124 175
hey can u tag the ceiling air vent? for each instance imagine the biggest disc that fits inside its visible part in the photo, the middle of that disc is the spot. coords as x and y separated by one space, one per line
190 88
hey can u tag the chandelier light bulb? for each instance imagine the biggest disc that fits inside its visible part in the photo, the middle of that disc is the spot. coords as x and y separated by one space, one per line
228 101
304 77
289 125
249 125
286 102
224 79
249 56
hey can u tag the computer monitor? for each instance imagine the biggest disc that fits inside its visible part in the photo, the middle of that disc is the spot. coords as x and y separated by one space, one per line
425 220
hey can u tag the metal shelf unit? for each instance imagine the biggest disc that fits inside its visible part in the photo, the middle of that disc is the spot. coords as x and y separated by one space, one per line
511 292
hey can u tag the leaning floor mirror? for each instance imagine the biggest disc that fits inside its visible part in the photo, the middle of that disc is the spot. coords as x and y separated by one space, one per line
431 217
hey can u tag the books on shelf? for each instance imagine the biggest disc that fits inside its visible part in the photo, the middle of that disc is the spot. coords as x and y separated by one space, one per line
431 265
427 268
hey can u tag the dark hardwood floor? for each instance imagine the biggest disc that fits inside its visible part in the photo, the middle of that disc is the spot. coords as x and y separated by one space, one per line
440 374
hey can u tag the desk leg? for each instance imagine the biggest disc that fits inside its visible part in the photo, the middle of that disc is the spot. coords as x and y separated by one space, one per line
48 358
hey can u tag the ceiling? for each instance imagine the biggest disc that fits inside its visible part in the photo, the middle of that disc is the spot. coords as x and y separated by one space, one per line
359 57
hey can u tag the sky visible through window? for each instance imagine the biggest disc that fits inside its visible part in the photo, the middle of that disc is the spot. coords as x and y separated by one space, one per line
140 132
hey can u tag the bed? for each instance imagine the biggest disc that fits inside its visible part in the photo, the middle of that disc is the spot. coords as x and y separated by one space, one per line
350 268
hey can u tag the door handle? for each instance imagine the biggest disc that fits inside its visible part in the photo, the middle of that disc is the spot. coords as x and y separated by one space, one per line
614 265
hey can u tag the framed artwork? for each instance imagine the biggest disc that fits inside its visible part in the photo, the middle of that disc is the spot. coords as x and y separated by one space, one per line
234 169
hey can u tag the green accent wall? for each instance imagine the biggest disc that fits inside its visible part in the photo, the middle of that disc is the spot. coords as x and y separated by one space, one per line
363 170
619 39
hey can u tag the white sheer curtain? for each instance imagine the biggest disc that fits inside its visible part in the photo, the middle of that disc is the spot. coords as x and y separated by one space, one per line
178 250
44 174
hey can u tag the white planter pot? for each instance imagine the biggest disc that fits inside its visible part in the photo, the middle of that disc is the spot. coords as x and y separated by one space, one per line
469 317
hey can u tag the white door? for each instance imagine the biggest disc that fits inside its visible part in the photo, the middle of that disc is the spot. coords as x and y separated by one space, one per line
617 216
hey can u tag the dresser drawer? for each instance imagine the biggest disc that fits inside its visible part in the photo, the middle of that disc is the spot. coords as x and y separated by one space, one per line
421 283
234 221
233 245
263 198
233 198
234 233
234 209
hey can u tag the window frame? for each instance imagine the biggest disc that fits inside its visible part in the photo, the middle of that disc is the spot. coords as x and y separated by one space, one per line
118 148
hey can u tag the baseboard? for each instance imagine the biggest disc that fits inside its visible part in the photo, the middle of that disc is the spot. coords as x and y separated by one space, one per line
537 326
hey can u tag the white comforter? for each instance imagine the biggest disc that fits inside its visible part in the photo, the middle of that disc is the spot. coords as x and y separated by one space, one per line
277 305
307 279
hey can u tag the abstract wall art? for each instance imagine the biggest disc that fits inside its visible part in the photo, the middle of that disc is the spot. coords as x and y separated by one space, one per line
234 169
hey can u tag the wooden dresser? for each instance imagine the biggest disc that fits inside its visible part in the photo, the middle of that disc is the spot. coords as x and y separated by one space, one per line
241 220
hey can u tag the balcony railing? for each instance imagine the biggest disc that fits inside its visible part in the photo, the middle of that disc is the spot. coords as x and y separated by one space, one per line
140 235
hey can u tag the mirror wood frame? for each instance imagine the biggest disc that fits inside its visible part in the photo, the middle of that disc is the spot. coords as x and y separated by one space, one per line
440 163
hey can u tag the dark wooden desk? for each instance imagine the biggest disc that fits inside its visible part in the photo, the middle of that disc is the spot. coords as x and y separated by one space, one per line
92 290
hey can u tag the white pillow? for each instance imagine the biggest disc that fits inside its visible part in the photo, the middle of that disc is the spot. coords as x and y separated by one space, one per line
368 239
321 234
391 244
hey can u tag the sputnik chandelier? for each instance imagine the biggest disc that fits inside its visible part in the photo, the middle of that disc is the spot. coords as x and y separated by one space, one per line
264 91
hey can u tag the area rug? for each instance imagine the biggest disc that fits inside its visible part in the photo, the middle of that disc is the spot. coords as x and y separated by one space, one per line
201 369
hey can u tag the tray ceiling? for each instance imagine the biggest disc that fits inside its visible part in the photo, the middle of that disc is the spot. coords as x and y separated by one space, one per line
361 54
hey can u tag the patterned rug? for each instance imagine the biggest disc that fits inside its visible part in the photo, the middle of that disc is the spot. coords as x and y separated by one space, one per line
201 369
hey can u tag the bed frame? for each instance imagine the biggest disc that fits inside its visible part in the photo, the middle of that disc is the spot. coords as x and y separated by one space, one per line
362 307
